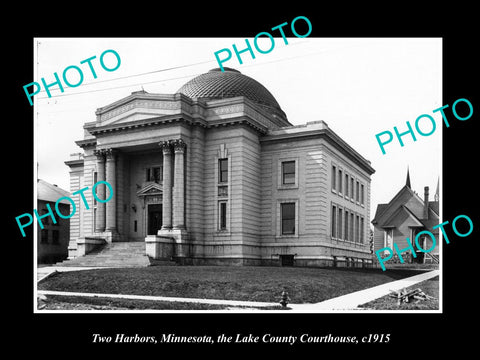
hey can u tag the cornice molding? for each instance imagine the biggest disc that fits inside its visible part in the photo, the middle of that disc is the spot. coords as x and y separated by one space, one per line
322 133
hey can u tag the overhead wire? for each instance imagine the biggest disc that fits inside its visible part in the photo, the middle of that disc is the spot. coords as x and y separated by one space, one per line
163 80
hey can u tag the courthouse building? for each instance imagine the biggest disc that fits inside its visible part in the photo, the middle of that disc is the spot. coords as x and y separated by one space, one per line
216 174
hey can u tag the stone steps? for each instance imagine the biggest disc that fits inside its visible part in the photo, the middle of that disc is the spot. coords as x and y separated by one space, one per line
121 254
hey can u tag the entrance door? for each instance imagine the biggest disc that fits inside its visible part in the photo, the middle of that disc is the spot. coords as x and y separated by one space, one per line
154 218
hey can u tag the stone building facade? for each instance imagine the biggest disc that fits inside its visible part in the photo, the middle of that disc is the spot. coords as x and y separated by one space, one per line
216 174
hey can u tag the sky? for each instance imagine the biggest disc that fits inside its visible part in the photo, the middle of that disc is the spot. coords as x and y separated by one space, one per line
358 86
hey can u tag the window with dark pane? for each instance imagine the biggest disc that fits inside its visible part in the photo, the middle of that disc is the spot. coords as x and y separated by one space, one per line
223 215
288 172
223 170
288 218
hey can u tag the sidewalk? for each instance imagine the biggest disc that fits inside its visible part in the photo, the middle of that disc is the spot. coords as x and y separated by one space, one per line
344 302
46 271
353 300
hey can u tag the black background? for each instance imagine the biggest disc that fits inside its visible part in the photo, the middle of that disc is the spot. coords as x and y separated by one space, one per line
70 334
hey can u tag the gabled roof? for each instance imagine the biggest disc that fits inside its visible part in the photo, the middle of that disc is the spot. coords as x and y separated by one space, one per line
386 213
382 209
49 192
414 220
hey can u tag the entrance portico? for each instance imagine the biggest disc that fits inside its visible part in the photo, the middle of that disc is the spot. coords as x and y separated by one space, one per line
160 194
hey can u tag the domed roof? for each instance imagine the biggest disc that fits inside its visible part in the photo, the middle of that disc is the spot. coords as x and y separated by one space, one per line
217 84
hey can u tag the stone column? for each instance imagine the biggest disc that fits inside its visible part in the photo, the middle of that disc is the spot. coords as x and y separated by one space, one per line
100 215
179 185
111 211
167 186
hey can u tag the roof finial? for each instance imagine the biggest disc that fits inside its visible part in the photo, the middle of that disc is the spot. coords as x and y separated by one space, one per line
408 178
437 192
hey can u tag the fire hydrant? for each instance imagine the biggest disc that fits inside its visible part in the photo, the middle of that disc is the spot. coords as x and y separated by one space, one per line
285 299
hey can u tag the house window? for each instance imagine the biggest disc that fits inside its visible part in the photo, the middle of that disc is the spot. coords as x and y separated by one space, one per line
44 236
346 184
340 216
334 177
154 174
357 192
288 218
288 172
222 215
55 237
222 170
334 221
388 238
345 232
362 194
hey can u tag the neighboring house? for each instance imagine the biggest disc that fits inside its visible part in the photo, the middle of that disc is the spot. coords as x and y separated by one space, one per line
52 240
216 174
405 216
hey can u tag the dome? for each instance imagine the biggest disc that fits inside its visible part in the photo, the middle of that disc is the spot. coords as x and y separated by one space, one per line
217 84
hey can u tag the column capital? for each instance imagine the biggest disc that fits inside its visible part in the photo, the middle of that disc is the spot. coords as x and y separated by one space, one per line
179 145
99 154
165 145
110 153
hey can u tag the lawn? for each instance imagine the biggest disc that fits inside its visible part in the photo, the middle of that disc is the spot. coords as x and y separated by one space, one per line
60 302
429 287
247 283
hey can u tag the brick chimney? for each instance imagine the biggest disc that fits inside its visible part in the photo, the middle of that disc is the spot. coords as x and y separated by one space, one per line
425 204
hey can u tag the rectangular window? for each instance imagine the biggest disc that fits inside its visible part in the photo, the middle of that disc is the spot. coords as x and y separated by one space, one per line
351 187
154 174
340 180
340 217
351 227
222 170
345 232
288 172
55 237
334 221
362 194
44 236
334 177
388 238
222 213
357 229
135 225
288 218
95 179
346 184
357 192
362 235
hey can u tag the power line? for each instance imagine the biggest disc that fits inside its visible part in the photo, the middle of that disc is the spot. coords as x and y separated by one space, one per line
141 74
175 78
118 87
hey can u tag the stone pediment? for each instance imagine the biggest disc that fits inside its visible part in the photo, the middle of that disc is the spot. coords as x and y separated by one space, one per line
150 188
138 106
